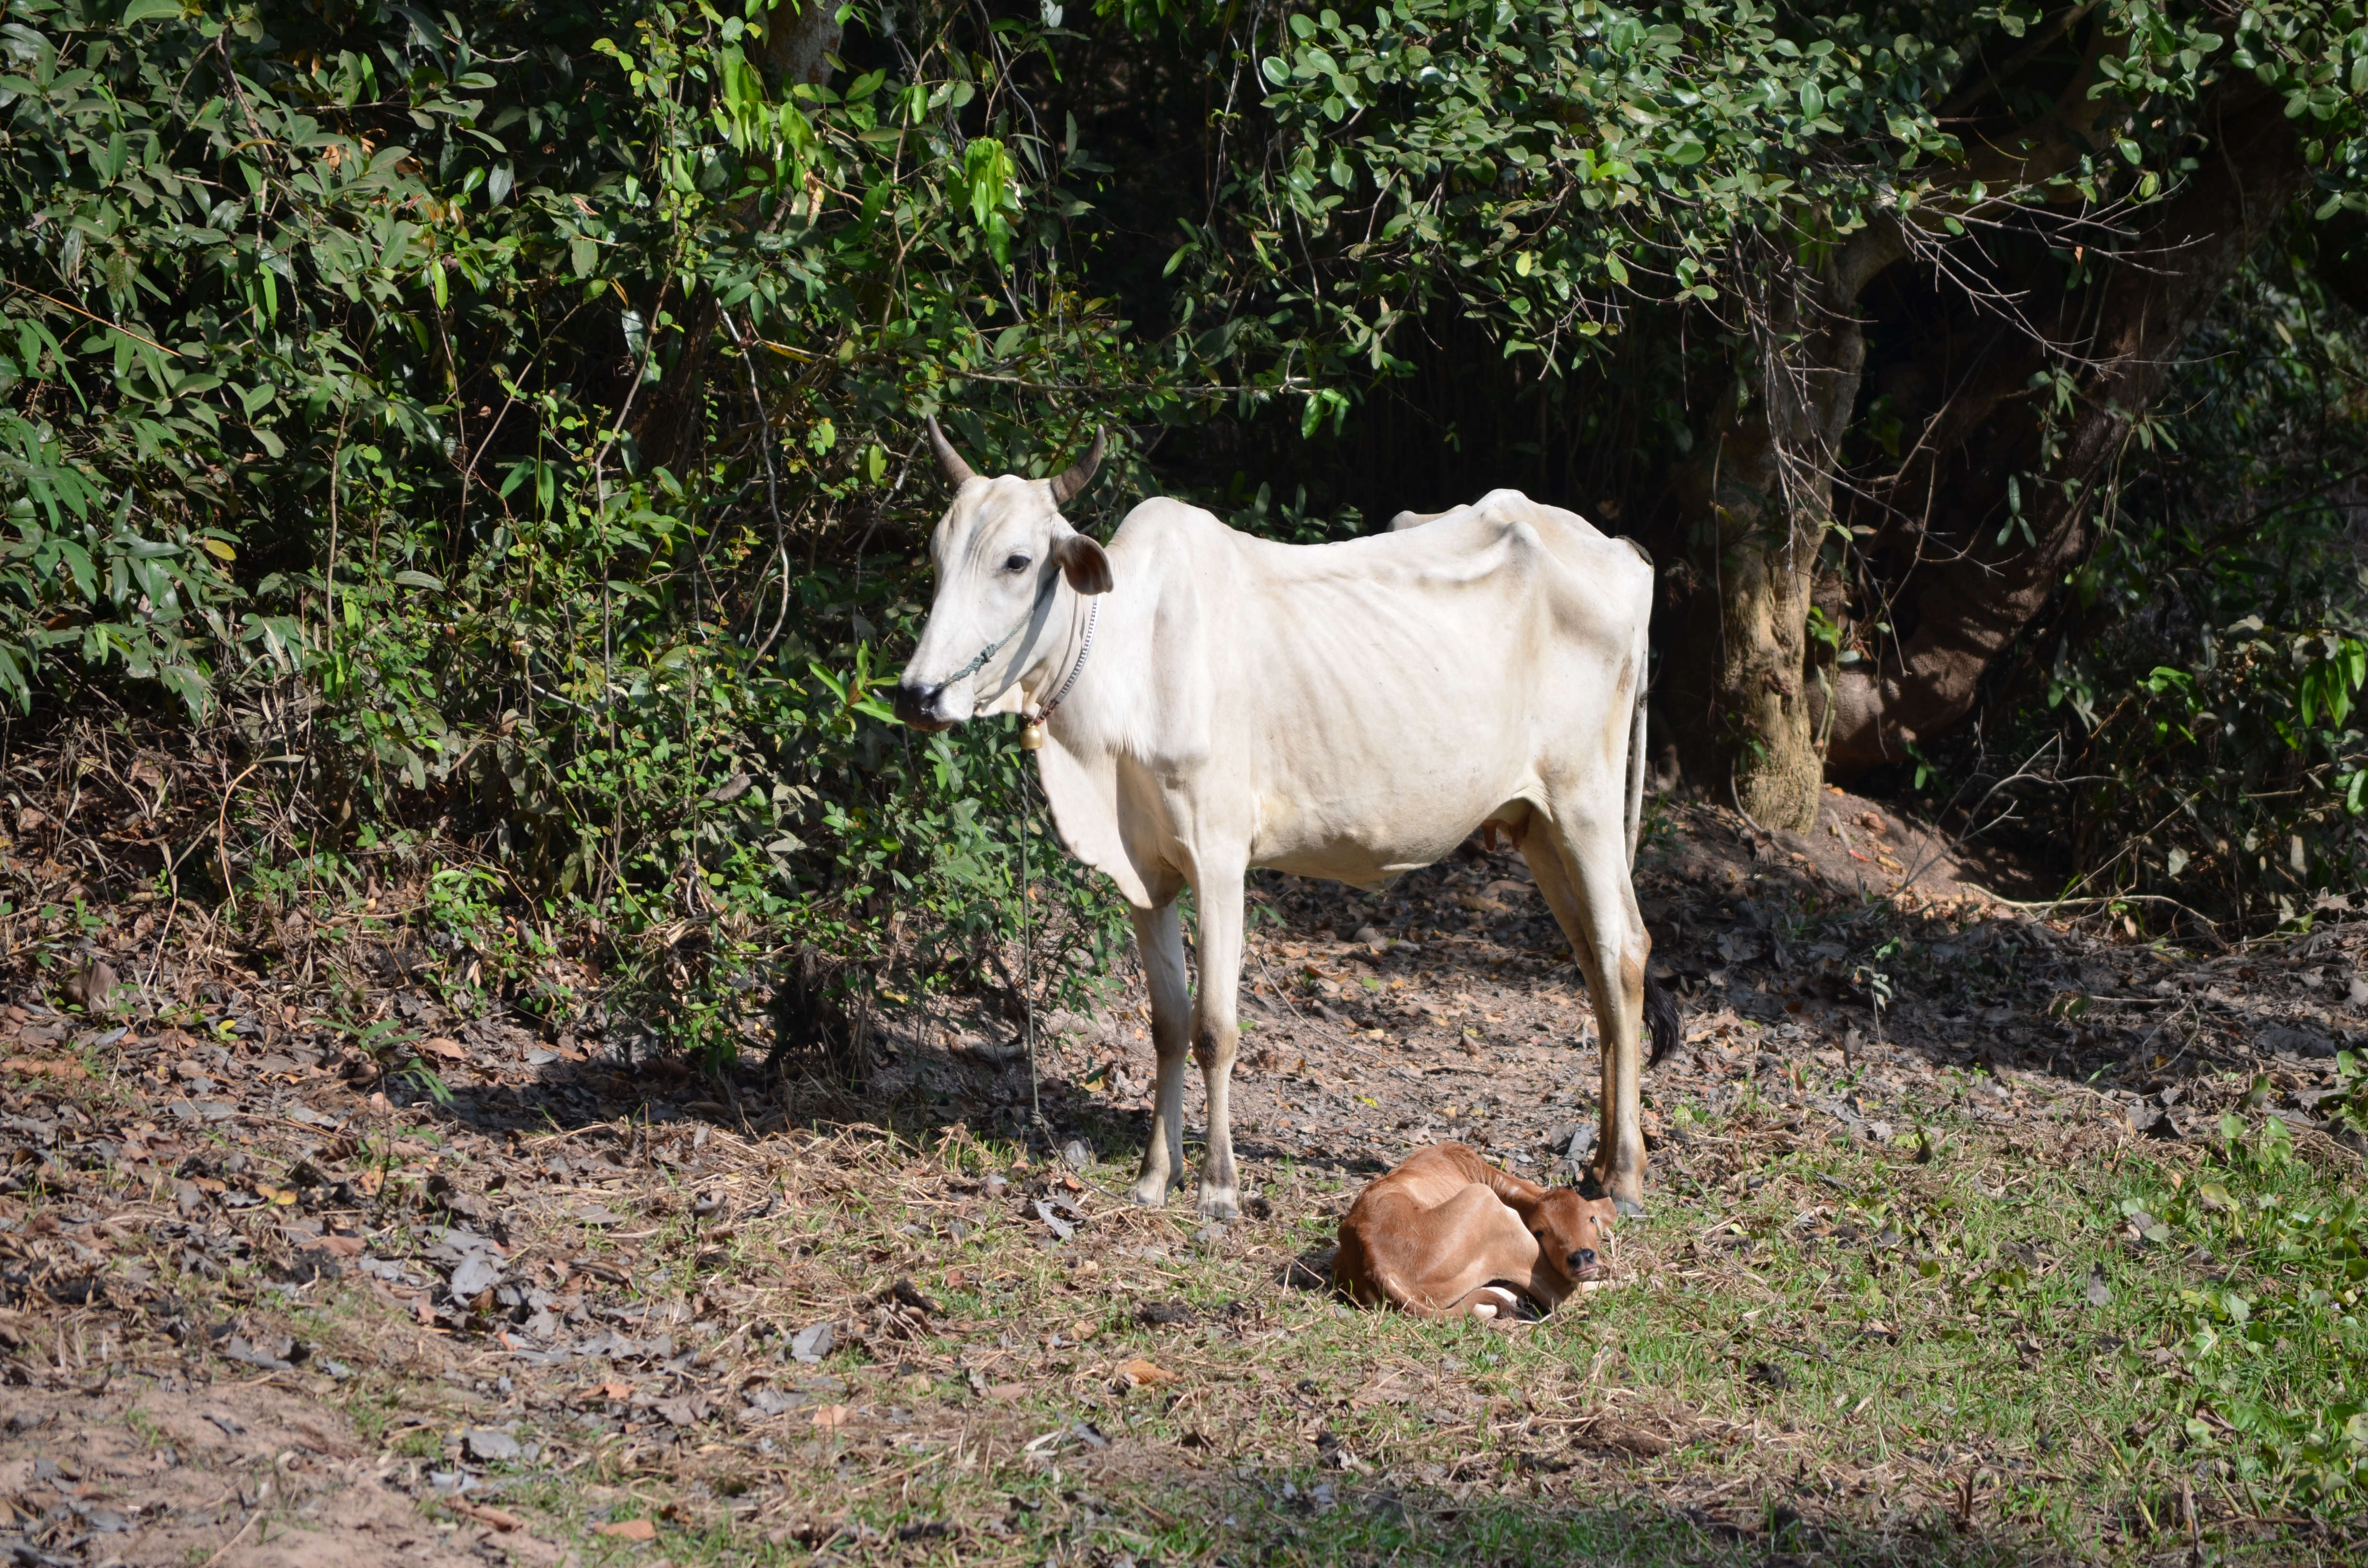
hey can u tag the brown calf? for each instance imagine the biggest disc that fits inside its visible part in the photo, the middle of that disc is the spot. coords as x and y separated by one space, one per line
1447 1233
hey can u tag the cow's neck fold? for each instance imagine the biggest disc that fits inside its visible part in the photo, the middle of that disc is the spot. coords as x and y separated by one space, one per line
1043 676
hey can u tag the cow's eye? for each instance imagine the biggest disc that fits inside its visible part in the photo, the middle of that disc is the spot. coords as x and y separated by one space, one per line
1015 564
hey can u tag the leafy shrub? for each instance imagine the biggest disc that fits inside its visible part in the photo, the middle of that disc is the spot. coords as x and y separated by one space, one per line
492 410
2298 1302
2202 745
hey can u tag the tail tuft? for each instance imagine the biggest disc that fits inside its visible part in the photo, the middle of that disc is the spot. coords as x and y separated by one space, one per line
1661 1018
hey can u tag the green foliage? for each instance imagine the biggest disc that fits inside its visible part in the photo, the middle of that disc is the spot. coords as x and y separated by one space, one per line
2278 1356
1547 167
336 340
1558 172
2208 695
510 414
2346 1105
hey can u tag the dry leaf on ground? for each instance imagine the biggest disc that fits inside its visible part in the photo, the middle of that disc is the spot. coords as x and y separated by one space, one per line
494 1517
31 1069
1140 1373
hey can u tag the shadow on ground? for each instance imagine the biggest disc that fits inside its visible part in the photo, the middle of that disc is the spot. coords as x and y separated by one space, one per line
1838 969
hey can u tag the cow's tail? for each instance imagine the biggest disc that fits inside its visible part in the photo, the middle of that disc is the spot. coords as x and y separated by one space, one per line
1641 664
1661 1019
1660 1008
1636 762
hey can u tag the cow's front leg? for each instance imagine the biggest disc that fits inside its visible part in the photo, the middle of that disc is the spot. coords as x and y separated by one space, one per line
1159 938
1584 874
1216 1031
1620 950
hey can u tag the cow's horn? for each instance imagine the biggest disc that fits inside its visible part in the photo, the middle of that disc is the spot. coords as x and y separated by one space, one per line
1071 482
958 473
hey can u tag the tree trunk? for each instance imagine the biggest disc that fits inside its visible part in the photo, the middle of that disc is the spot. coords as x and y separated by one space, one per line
1755 504
800 40
802 36
1758 714
1949 504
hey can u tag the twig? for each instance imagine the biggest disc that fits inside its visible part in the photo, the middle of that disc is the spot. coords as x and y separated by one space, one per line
625 410
772 496
1967 836
1736 796
156 962
1285 996
233 1540
2054 904
221 822
102 321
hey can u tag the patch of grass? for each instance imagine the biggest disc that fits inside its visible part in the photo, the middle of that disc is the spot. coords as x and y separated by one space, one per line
2021 1351
2008 1330
2273 1339
145 1427
418 1442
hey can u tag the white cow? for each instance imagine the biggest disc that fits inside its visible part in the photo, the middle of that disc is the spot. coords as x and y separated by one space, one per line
1207 701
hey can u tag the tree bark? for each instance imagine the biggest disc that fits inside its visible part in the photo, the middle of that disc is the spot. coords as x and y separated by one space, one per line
1752 695
800 41
800 37
1960 593
1758 713
1755 504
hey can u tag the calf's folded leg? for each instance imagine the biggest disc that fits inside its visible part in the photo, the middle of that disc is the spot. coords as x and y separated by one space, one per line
1437 1261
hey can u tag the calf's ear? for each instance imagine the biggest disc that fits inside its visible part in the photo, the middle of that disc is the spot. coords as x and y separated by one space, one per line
1083 562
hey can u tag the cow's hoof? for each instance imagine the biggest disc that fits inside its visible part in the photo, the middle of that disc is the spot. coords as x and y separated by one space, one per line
1220 1203
1630 1208
1151 1192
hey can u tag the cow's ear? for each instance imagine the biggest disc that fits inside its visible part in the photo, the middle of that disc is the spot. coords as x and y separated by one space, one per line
1083 562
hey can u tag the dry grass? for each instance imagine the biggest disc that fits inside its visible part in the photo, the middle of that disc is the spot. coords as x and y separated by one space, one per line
1888 1307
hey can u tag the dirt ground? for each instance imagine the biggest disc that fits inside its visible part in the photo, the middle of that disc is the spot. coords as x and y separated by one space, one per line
264 1305
1448 1006
165 1472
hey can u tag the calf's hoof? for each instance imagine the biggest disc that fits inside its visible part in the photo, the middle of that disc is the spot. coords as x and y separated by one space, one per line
1630 1208
1151 1192
1491 1302
1220 1203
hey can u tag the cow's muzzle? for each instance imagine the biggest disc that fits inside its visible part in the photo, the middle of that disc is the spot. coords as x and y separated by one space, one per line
918 706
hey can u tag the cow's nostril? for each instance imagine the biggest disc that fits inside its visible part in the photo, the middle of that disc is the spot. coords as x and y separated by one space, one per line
914 702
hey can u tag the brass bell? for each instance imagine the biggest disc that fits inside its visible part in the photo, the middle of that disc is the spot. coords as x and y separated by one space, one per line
1031 736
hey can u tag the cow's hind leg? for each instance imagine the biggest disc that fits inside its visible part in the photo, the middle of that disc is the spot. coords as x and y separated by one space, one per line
1216 1028
1541 848
1595 903
1159 938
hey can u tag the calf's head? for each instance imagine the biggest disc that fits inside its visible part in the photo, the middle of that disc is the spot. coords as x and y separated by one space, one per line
1574 1233
1004 555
